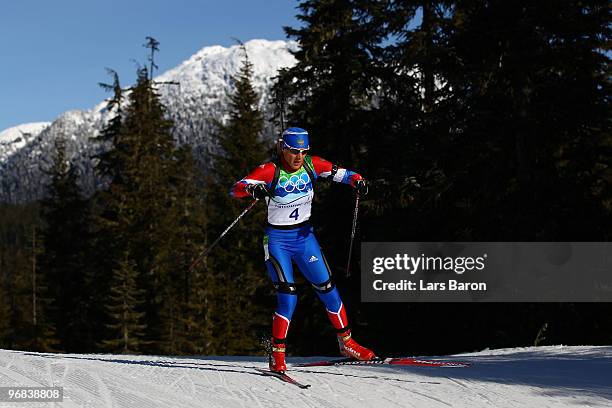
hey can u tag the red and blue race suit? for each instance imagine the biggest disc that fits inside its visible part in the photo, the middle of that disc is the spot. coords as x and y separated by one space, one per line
289 237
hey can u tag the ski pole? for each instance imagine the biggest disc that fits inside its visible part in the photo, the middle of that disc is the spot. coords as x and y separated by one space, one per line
348 263
207 250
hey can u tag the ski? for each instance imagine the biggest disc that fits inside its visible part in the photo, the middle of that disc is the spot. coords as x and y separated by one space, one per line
407 361
283 377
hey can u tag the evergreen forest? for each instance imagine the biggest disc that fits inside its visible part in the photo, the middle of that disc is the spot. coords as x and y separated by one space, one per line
472 120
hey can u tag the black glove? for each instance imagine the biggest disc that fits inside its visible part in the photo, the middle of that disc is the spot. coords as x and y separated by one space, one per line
362 187
257 191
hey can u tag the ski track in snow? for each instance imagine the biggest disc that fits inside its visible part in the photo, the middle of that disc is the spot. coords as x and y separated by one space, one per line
522 377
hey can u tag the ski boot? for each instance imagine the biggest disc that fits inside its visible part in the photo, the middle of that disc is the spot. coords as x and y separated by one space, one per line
280 327
277 358
348 346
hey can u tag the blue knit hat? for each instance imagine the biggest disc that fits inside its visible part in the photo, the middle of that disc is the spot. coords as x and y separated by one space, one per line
296 138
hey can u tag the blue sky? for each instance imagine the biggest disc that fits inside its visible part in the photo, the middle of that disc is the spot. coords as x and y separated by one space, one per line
53 53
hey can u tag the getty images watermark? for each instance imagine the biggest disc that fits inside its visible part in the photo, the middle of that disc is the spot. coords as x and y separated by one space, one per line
412 265
486 272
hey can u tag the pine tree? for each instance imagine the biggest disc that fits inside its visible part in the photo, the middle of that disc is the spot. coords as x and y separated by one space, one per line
105 246
506 151
152 209
106 160
529 83
39 331
236 263
125 310
110 226
333 82
17 224
139 196
63 260
412 120
184 311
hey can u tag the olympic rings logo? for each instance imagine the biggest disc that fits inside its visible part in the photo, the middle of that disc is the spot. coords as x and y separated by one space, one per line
294 182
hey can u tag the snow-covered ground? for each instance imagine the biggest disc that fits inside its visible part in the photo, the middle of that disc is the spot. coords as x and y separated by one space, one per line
524 377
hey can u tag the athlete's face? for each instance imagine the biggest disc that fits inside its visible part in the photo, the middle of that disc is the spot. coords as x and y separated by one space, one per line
294 158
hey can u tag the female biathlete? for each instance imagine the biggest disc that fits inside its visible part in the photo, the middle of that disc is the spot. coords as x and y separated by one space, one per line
287 187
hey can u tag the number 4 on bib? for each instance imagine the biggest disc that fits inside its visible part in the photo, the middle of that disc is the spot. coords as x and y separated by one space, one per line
294 214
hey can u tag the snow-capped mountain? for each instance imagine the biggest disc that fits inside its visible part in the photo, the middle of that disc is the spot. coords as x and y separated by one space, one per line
205 82
13 139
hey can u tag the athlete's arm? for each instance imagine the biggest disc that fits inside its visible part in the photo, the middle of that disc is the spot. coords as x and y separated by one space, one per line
327 169
261 175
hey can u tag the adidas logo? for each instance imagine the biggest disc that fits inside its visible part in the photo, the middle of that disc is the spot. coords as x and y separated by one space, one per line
313 259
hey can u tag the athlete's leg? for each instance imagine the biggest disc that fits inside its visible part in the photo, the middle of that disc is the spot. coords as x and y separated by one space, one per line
280 269
315 268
